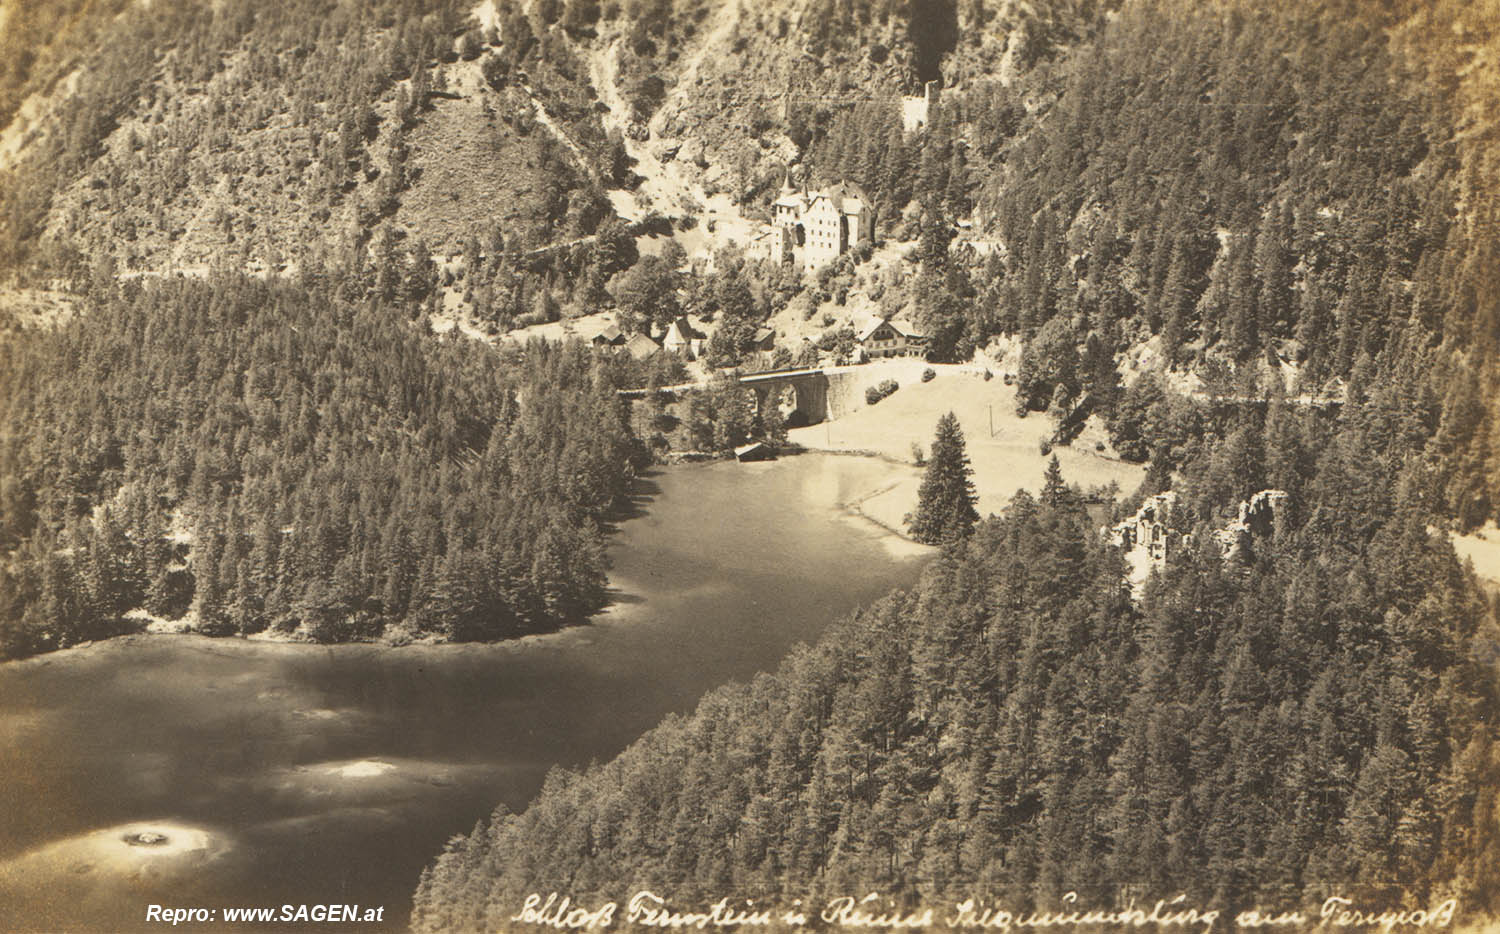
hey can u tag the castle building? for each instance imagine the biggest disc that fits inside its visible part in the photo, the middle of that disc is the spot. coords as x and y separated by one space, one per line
821 225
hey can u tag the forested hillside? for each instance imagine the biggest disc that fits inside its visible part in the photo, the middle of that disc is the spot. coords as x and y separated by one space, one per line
1255 195
261 136
1309 719
1252 199
242 457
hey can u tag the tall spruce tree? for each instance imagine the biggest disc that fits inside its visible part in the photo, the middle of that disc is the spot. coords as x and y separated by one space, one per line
945 500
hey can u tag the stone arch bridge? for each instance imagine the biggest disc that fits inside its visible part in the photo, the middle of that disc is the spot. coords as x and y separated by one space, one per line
817 394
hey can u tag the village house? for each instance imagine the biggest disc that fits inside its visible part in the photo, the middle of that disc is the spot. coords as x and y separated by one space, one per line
888 337
684 339
821 225
640 346
611 336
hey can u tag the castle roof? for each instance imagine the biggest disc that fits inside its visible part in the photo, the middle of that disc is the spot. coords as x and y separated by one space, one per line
846 197
791 198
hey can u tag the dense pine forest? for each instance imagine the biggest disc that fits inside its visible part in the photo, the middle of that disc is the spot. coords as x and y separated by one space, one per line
1300 721
244 457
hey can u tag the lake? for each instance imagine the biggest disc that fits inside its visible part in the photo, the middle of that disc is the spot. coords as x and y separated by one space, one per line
193 772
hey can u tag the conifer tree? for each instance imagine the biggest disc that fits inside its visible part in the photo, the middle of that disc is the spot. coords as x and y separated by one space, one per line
1054 490
945 500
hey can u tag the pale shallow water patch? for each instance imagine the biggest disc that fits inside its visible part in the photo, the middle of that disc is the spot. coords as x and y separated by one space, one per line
89 876
366 782
278 751
365 768
137 851
22 724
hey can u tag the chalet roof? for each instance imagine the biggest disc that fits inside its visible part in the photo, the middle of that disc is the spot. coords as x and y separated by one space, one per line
908 328
610 335
902 327
869 329
762 333
640 346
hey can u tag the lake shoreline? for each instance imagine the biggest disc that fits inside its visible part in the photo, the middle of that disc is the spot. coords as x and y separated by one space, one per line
850 507
346 766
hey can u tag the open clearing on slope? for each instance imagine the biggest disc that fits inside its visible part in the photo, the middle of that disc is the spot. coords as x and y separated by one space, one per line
23 309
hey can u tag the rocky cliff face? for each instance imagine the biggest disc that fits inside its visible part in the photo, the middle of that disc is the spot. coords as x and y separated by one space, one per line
1148 538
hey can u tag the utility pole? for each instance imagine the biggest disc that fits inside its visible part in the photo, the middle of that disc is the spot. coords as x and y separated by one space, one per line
992 419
